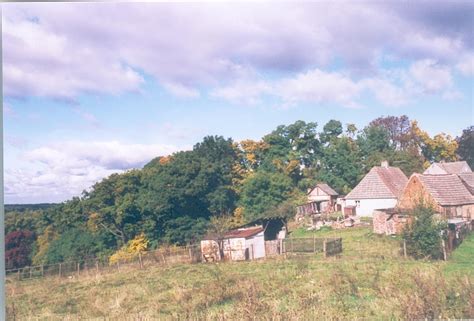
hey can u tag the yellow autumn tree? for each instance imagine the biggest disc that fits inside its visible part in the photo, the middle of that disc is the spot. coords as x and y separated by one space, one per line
441 147
42 244
130 250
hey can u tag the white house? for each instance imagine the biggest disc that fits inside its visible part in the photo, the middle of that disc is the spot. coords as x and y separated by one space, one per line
379 189
448 168
237 245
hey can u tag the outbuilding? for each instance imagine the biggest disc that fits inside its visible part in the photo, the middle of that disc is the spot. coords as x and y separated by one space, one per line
235 245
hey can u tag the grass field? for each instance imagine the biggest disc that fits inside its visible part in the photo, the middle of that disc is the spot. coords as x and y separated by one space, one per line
375 284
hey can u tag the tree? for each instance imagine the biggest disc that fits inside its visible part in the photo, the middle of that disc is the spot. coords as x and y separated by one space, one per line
398 129
466 145
263 191
441 147
18 249
332 130
423 234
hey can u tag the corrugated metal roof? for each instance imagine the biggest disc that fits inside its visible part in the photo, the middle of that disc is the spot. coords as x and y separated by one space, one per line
243 233
380 182
447 189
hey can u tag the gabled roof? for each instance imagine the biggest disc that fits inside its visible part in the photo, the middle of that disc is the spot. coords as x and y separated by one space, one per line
325 188
380 182
447 190
452 167
468 180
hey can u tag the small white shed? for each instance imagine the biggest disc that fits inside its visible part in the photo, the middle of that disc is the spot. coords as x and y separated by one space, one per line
237 245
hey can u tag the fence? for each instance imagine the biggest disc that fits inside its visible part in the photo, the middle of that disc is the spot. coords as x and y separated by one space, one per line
327 246
162 256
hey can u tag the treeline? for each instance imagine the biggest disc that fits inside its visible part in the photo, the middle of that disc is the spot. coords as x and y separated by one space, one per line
218 184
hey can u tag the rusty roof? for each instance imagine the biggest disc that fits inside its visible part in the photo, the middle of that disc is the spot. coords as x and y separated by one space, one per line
327 189
243 233
446 189
380 182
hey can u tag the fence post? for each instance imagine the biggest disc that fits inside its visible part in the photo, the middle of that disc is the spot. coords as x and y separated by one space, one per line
31 272
190 254
324 248
78 268
118 265
443 244
60 265
314 243
140 259
42 270
19 274
291 244
405 249
97 266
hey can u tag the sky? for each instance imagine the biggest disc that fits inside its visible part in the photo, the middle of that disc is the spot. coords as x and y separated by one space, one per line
92 89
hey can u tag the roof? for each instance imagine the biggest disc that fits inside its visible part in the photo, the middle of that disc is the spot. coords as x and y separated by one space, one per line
380 182
325 188
468 180
243 233
447 189
454 167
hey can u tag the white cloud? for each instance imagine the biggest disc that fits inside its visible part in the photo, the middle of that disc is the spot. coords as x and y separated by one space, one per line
431 76
63 50
466 65
62 170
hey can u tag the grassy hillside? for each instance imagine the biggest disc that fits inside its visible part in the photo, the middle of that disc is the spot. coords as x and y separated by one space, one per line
360 283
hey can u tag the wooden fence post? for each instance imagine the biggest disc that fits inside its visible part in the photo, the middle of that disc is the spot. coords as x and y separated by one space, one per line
291 244
140 259
60 265
405 249
31 272
19 274
443 244
42 270
97 266
314 243
324 248
78 268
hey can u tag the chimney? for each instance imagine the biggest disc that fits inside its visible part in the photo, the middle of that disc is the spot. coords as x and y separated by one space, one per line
384 164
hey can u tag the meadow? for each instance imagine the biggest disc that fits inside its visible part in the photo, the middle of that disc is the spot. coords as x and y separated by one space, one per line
370 279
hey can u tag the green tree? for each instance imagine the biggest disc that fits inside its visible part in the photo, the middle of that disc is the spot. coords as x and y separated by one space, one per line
466 145
423 234
263 191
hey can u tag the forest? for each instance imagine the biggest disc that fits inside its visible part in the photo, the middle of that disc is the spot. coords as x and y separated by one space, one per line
220 183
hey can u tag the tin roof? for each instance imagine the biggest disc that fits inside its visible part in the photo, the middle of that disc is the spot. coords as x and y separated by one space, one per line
243 233
380 182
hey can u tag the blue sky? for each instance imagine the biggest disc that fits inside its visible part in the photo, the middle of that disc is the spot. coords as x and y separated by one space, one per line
96 88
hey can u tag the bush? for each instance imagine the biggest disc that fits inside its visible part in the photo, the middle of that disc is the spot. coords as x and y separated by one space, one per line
18 248
423 234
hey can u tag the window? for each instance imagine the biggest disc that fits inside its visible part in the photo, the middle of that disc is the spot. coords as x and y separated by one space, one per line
358 203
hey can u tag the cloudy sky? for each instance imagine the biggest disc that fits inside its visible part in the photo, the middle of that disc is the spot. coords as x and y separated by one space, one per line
96 88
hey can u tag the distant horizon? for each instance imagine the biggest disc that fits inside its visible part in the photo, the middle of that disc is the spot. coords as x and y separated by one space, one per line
87 96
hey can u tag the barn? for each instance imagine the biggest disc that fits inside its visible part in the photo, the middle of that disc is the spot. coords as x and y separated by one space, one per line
235 245
379 189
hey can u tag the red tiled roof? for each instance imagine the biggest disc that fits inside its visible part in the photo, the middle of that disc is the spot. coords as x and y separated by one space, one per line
380 182
468 180
454 167
243 233
327 189
447 189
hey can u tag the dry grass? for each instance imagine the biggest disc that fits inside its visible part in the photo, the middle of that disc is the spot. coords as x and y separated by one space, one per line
297 288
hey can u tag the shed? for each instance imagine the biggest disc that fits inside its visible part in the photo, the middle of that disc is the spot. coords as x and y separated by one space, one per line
389 221
320 199
235 245
379 189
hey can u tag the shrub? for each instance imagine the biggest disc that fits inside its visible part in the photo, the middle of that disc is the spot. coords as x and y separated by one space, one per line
18 248
423 234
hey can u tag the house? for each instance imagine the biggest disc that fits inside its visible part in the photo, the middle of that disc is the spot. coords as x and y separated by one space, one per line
320 199
448 193
379 189
468 181
448 168
235 245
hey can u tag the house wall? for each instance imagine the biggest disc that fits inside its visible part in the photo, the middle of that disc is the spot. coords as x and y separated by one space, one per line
385 223
318 195
234 249
256 244
415 192
210 251
366 207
